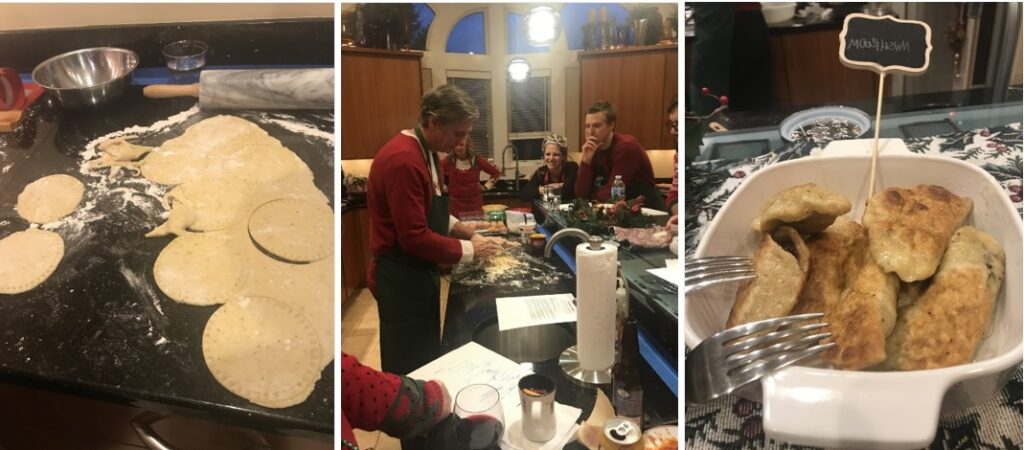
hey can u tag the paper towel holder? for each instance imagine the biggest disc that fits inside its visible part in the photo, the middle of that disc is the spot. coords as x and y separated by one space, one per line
569 360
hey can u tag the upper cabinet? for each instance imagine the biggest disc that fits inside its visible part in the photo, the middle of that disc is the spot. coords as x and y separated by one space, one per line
640 83
380 96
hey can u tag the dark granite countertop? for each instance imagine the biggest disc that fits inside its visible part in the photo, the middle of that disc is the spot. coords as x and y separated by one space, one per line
99 327
471 315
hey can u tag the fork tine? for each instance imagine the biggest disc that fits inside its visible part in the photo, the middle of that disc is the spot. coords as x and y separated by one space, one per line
702 273
694 267
753 327
740 359
761 368
704 281
714 259
740 345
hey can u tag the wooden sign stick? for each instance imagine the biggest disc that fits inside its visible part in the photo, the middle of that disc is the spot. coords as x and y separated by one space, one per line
883 45
878 125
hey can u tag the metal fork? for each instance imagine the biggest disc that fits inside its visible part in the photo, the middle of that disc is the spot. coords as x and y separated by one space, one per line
703 272
735 357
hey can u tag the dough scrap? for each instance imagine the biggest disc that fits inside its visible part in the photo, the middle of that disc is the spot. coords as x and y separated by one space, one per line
201 269
262 350
294 229
28 258
50 198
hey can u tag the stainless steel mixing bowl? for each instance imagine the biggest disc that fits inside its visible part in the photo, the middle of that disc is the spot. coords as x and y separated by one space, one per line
88 77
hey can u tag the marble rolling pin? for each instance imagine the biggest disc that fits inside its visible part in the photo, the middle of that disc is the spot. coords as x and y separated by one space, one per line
255 89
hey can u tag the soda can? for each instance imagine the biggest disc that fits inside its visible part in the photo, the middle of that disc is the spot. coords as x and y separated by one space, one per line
620 433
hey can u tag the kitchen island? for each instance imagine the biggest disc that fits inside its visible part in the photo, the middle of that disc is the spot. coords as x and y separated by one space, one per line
99 328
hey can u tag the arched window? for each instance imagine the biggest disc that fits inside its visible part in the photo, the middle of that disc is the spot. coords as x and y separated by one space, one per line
424 16
517 42
575 15
467 36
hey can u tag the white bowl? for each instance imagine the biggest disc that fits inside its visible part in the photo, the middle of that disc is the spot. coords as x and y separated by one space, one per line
892 410
778 12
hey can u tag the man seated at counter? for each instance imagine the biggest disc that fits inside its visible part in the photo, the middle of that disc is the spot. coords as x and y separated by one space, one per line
412 232
556 173
607 153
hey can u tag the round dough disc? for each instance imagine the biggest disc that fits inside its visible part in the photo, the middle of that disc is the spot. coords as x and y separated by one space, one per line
50 198
218 203
262 350
296 230
27 258
200 269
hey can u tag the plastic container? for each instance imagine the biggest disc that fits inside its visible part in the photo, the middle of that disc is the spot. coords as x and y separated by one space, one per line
185 55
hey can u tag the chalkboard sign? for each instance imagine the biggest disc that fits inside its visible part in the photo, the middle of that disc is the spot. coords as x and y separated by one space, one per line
885 44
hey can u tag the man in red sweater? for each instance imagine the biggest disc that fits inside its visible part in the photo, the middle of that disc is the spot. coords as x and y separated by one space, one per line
412 232
607 154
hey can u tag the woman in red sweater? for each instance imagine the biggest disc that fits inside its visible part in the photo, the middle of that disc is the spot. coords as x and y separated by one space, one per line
462 170
399 406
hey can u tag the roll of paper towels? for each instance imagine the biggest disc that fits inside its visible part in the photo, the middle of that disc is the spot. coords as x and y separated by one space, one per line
595 305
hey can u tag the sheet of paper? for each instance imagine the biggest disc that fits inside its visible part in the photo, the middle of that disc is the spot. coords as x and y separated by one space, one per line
521 312
475 364
472 364
669 273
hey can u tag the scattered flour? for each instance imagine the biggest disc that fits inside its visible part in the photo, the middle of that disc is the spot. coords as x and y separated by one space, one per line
92 152
290 123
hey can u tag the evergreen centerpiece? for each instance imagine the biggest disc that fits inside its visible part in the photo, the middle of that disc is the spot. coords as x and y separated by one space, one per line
598 218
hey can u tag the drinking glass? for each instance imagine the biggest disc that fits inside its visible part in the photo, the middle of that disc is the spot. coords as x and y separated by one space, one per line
481 421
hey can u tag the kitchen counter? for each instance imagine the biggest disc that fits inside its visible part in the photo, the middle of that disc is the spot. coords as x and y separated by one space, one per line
471 315
99 327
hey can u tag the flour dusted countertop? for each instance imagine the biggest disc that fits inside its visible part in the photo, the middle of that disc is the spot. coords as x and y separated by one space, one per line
99 327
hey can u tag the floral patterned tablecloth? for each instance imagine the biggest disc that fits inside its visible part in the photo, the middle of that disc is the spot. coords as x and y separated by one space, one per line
735 423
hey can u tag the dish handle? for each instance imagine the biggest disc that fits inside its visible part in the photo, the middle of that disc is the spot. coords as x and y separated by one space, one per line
826 408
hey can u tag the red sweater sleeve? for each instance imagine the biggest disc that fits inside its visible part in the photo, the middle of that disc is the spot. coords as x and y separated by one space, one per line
627 159
366 394
585 180
409 213
399 406
486 166
673 193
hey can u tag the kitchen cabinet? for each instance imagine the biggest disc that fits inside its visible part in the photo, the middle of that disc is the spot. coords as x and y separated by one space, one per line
380 95
639 82
355 250
806 71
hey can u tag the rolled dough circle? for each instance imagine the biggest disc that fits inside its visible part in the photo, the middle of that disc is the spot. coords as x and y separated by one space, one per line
27 258
294 229
262 350
218 203
200 269
50 198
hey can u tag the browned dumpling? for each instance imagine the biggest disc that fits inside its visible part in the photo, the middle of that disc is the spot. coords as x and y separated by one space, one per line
945 325
808 208
908 229
781 266
864 315
831 266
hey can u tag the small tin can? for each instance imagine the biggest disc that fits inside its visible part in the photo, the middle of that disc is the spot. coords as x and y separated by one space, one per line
620 433
524 234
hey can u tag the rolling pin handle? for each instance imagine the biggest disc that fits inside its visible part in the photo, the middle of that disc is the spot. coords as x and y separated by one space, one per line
171 90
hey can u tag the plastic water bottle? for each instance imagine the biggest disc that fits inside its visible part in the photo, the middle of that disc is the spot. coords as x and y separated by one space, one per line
618 189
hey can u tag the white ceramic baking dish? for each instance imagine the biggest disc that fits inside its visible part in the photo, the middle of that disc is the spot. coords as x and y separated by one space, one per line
865 409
